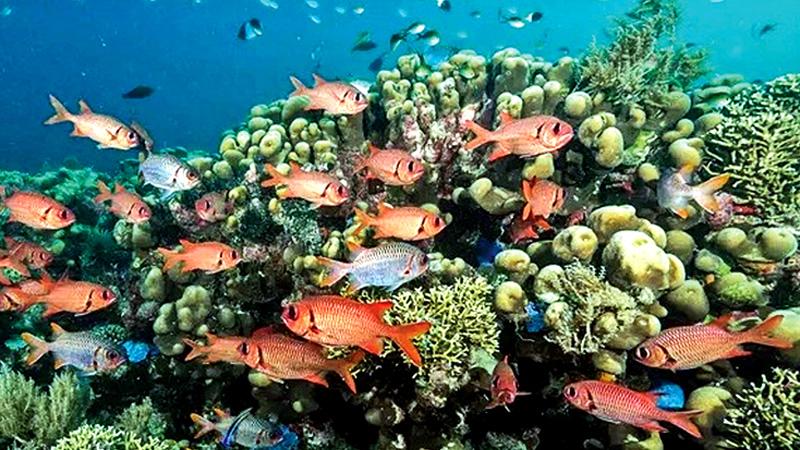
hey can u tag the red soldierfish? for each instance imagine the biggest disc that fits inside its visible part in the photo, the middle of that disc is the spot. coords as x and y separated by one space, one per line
338 321
213 207
37 211
504 388
333 97
388 265
393 167
688 347
408 223
33 255
210 257
107 131
674 191
318 188
543 198
124 204
528 137
216 349
285 358
617 404
82 350
14 298
77 297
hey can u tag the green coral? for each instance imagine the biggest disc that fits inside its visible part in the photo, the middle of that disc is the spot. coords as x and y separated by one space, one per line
765 415
99 437
142 420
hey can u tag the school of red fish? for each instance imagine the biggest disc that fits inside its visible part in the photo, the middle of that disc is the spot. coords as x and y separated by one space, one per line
317 322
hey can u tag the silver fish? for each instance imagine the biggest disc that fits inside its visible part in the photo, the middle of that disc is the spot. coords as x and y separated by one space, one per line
387 265
82 350
168 173
245 429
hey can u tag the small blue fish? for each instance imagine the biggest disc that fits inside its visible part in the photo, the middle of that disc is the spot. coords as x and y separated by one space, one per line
168 173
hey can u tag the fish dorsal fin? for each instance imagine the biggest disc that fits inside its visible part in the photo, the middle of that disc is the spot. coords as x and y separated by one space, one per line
686 171
318 80
221 413
187 245
84 107
118 188
47 281
211 339
652 395
380 307
505 118
383 207
354 249
262 332
295 167
722 321
56 329
373 149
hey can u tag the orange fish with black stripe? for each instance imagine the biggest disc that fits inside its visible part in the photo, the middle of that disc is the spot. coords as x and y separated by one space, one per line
319 188
210 257
36 211
29 253
392 166
217 349
76 297
126 205
408 223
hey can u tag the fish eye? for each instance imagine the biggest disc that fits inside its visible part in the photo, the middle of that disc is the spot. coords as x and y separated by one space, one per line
106 294
243 348
358 96
63 214
292 312
132 136
143 211
411 166
191 175
557 128
234 254
206 204
437 221
112 354
274 436
570 392
340 190
642 353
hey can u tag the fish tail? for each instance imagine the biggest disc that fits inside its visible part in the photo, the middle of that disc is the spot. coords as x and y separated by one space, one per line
61 115
760 334
299 87
683 420
482 135
105 193
197 349
38 347
364 221
345 366
171 258
277 177
337 270
402 335
206 426
703 193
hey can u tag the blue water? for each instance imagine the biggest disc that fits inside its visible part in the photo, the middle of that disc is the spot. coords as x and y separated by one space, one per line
206 79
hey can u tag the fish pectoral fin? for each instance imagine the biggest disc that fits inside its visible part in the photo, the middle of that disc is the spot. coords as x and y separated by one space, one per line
683 213
316 379
76 132
59 363
374 346
736 352
653 426
498 151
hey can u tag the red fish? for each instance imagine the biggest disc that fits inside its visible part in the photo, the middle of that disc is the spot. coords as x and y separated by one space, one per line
333 97
339 321
125 205
543 198
33 255
107 131
37 211
528 137
285 358
504 388
318 188
688 347
210 257
408 223
213 207
618 404
77 297
393 167
14 298
82 350
216 349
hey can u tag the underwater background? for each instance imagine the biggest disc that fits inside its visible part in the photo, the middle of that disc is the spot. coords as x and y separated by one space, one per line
417 224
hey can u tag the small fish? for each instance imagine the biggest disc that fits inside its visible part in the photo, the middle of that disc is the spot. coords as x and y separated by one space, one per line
315 19
514 22
444 5
358 10
363 42
525 230
213 207
14 298
270 4
415 28
340 10
528 137
563 50
124 204
313 4
216 349
393 167
210 257
402 13
107 131
674 191
139 92
408 223
168 173
6 11
81 350
388 265
475 14
36 211
28 253
339 321
250 30
77 297
319 188
375 66
688 347
543 198
396 39
618 404
281 357
534 16
334 97
504 387
765 29
431 37
9 262
245 429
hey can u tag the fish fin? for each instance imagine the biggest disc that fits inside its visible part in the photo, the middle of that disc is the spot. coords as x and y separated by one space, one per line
345 365
652 426
682 420
402 335
318 80
197 349
61 115
84 107
652 395
118 188
39 347
352 288
354 249
482 135
337 270
46 281
58 363
703 193
206 426
683 213
527 192
76 132
222 414
316 378
105 193
722 321
498 152
759 334
56 329
211 339
362 162
171 258
505 118
374 346
383 207
299 87
736 352
686 171
364 220
186 244
50 310
379 308
277 177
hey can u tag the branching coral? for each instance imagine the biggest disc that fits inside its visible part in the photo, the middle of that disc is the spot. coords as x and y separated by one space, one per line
99 437
766 415
142 420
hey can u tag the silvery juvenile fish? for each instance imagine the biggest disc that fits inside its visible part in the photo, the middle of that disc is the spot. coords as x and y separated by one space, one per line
82 350
168 173
675 192
387 265
245 429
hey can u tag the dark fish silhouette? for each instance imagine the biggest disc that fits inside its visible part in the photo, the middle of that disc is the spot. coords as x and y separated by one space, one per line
140 91
363 42
376 63
444 5
250 30
535 16
764 29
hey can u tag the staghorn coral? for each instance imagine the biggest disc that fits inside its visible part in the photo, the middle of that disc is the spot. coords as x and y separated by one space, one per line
99 437
765 415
